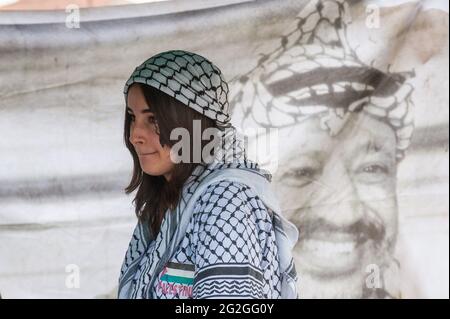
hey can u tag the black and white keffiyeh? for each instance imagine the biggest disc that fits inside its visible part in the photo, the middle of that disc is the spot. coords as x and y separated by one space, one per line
234 198
189 78
314 72
226 201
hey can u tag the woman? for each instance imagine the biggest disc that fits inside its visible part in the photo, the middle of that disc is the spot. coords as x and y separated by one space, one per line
208 224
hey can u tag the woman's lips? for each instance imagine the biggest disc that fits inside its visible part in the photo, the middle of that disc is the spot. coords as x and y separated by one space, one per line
145 154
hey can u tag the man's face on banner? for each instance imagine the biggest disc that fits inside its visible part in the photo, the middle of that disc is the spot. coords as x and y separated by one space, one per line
340 191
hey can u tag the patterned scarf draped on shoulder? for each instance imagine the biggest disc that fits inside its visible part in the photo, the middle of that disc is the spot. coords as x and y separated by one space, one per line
143 261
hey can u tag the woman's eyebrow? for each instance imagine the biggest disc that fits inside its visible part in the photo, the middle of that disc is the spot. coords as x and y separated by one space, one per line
129 110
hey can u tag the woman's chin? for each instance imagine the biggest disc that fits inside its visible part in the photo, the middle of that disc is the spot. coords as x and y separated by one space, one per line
151 170
155 168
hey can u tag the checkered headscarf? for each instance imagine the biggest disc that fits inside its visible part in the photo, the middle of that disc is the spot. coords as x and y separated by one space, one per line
315 72
188 77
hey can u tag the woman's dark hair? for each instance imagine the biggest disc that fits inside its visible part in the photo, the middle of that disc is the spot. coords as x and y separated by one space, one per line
155 194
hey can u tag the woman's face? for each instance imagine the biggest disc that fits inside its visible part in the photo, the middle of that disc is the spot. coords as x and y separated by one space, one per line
153 158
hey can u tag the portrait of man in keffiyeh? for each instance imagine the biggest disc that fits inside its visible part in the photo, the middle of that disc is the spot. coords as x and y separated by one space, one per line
343 128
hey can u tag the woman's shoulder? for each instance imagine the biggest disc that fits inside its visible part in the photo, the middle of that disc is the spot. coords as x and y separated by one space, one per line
228 198
224 191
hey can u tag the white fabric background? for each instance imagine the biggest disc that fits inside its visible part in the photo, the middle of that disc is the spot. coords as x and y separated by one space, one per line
63 164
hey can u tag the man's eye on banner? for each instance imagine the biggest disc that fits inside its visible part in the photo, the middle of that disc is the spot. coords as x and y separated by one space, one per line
343 127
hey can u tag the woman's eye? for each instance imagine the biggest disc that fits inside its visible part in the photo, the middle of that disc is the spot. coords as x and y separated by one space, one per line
131 116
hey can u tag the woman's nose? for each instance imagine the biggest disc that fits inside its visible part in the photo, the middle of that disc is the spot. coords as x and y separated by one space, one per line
137 136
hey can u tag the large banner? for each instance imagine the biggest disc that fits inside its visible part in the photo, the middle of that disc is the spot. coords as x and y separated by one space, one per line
353 93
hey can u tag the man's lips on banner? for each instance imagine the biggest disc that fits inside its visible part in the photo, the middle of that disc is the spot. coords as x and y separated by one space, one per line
328 249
